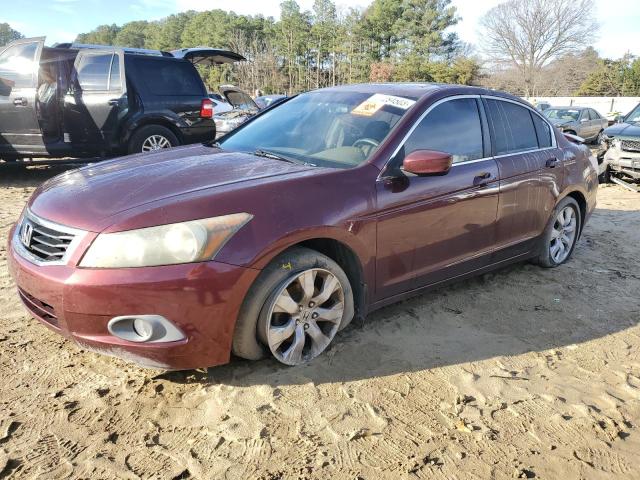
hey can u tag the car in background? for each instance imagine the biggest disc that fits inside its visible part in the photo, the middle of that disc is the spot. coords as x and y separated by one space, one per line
622 157
243 108
88 100
542 106
583 122
266 101
327 207
220 105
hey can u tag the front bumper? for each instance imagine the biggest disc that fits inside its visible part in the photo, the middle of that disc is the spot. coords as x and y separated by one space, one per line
201 299
618 159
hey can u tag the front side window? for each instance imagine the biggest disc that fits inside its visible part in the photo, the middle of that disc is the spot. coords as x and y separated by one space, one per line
513 128
452 127
17 67
338 129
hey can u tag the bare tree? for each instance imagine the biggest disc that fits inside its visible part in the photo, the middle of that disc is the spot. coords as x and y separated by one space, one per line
529 34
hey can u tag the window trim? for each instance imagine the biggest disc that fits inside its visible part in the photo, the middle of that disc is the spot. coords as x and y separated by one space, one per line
481 112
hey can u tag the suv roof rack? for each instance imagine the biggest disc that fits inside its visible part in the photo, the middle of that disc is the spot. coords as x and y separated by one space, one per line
136 51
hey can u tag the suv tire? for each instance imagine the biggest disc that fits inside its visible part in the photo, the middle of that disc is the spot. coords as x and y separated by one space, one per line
152 137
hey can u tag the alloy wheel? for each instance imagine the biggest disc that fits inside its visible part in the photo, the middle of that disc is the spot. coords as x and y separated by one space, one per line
155 142
304 316
563 235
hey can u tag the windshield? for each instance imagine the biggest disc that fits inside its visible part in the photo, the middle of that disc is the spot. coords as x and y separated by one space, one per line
566 114
329 129
634 116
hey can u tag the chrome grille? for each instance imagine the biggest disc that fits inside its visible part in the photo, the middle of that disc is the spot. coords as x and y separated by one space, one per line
631 145
43 242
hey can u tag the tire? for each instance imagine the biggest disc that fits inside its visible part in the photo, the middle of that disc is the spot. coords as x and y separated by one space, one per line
546 257
250 339
599 138
145 137
604 177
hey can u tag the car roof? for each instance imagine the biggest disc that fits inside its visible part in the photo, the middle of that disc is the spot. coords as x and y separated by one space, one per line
419 90
554 107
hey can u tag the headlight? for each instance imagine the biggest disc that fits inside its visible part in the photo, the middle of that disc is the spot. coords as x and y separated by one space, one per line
617 143
187 242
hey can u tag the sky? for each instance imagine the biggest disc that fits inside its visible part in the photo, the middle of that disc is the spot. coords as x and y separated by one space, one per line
62 20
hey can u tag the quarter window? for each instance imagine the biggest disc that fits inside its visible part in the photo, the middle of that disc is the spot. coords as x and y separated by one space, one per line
453 127
17 67
513 128
542 131
170 78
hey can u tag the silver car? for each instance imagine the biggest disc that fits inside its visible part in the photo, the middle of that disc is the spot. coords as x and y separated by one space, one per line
581 121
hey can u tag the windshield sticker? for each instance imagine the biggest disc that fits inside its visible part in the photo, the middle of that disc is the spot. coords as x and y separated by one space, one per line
374 103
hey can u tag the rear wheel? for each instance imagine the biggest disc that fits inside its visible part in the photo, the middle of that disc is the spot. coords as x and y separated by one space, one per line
561 235
152 138
294 309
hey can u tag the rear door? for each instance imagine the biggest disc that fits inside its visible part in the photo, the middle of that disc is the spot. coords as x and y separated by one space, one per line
436 227
530 174
19 127
98 101
207 56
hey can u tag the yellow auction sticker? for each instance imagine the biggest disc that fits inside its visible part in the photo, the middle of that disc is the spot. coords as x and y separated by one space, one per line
374 103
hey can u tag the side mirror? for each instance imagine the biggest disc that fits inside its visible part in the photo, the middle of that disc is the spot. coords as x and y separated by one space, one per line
619 118
427 162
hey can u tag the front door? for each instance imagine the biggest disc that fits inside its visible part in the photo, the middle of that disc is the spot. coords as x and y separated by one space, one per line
436 227
20 133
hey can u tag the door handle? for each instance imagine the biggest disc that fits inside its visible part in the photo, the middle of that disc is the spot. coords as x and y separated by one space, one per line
482 179
551 163
20 102
114 102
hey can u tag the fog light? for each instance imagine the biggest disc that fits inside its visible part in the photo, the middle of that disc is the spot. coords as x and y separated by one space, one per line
145 329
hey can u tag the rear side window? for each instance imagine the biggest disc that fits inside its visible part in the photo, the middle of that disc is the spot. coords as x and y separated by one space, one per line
452 127
169 78
17 66
99 73
595 115
512 127
542 131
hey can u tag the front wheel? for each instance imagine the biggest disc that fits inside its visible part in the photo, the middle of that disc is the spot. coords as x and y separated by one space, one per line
151 138
561 235
295 308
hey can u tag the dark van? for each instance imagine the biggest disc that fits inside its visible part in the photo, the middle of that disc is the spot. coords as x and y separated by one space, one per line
88 100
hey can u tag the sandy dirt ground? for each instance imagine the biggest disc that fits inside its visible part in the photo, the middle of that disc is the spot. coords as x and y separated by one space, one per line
523 373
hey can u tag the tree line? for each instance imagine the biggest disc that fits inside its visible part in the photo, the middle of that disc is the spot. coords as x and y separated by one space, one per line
527 47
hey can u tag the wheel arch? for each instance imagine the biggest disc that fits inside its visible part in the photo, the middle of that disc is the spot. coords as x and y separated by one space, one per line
162 121
581 200
340 251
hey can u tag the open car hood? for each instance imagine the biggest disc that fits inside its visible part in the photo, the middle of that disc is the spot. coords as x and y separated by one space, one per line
208 56
238 99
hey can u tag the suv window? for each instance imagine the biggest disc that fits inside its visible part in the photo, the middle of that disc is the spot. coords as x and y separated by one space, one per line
17 65
99 72
170 78
542 131
512 127
453 127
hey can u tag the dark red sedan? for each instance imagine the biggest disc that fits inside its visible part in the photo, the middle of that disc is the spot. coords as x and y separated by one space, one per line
332 204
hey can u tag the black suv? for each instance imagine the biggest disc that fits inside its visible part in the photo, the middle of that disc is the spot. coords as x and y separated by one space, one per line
86 100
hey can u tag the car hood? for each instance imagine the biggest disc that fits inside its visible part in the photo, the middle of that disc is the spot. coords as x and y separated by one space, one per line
623 129
558 122
88 197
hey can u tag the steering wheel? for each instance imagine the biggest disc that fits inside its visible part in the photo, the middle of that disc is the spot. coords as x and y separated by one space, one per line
363 142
